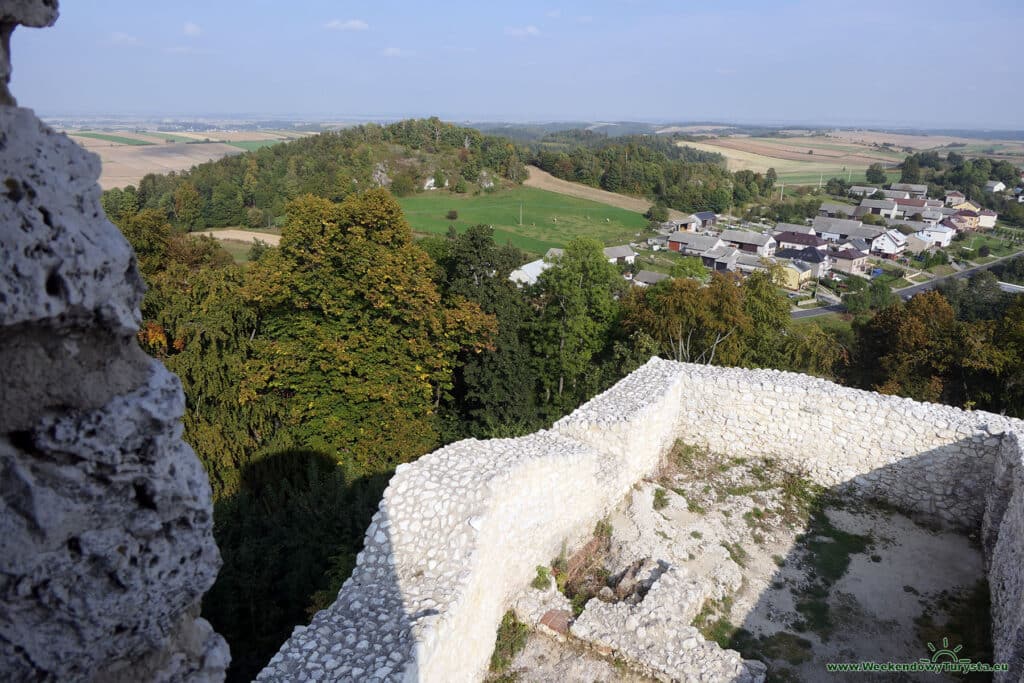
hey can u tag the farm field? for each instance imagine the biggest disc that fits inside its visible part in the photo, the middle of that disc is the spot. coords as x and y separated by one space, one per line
128 155
549 219
542 180
789 158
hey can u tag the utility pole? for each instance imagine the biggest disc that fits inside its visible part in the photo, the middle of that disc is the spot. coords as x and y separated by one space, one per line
520 214
820 177
782 190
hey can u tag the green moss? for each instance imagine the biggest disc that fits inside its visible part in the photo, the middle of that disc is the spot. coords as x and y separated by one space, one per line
543 579
660 498
511 639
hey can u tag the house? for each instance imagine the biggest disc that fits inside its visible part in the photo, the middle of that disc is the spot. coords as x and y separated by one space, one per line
912 207
850 261
835 229
794 274
916 191
749 263
620 255
895 194
692 244
646 278
862 190
752 242
720 258
687 224
856 244
796 240
889 244
957 223
833 210
707 219
793 227
954 197
987 219
657 243
971 218
967 205
528 273
880 207
908 227
995 186
937 236
817 259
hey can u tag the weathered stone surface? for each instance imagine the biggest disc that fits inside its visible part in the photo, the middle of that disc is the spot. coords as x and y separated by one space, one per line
106 543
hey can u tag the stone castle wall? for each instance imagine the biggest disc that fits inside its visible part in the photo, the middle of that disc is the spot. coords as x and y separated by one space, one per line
460 531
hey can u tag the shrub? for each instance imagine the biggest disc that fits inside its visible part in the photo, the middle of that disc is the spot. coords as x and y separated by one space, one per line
452 215
511 639
543 579
660 498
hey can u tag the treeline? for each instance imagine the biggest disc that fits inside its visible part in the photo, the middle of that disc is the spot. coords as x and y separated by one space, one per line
956 172
650 166
254 188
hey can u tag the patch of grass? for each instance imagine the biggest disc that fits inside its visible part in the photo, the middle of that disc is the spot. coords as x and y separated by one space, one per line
603 529
543 579
660 499
787 647
696 534
548 219
779 560
119 139
830 548
250 145
511 639
737 553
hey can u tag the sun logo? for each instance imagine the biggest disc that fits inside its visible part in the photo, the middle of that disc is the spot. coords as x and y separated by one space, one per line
945 653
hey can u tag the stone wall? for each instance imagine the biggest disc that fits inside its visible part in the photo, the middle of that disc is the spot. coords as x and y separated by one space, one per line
106 543
460 531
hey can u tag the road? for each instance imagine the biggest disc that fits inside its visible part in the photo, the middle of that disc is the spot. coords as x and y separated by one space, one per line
907 292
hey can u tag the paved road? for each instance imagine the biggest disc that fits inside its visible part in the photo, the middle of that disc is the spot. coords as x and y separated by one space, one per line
907 292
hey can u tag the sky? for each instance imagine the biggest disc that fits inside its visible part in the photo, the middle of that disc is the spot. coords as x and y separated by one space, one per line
897 63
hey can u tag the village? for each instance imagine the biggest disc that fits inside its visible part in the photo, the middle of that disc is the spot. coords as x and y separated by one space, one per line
897 233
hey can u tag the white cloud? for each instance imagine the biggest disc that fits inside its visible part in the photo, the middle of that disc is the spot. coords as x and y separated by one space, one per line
530 31
553 13
191 30
119 38
395 52
585 19
347 25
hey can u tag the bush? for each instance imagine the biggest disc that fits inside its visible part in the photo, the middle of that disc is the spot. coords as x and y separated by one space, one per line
543 579
657 213
660 498
984 251
452 215
511 639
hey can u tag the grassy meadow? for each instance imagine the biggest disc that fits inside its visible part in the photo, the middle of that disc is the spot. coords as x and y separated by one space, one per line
549 219
119 139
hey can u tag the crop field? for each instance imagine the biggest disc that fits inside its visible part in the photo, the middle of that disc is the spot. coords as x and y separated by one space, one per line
120 139
250 145
549 219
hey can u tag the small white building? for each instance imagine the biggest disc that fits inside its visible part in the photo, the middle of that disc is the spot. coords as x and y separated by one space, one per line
937 236
987 218
619 255
995 186
528 273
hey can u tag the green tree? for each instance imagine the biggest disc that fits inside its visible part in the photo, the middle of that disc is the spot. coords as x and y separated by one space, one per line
911 170
188 206
876 174
576 304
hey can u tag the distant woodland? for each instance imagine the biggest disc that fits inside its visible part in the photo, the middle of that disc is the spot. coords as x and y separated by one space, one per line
315 369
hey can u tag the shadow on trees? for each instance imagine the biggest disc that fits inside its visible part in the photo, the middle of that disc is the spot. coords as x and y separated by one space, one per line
288 539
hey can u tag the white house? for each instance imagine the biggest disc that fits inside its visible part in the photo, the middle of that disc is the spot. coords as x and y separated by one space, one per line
621 254
863 190
881 207
937 236
995 186
890 244
987 218
752 242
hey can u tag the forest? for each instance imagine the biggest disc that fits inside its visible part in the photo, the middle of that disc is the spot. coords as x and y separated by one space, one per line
312 371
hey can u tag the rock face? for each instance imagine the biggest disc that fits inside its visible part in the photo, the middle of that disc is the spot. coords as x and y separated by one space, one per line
106 543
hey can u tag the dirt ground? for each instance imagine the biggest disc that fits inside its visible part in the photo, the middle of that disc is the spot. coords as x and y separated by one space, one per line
545 181
244 236
795 576
127 164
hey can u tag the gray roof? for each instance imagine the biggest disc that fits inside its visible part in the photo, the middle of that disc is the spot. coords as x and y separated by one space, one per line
624 251
752 260
745 237
793 227
649 277
857 243
832 207
808 254
878 203
896 194
800 265
992 183
909 187
554 252
861 189
866 232
834 225
720 253
916 226
693 241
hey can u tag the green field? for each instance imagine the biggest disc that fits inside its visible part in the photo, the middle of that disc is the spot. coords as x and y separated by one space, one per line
549 219
250 145
173 137
113 138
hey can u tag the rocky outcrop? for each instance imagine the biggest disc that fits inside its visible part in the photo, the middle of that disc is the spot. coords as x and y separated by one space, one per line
106 543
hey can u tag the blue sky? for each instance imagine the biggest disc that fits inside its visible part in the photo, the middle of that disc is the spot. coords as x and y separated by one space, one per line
871 63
